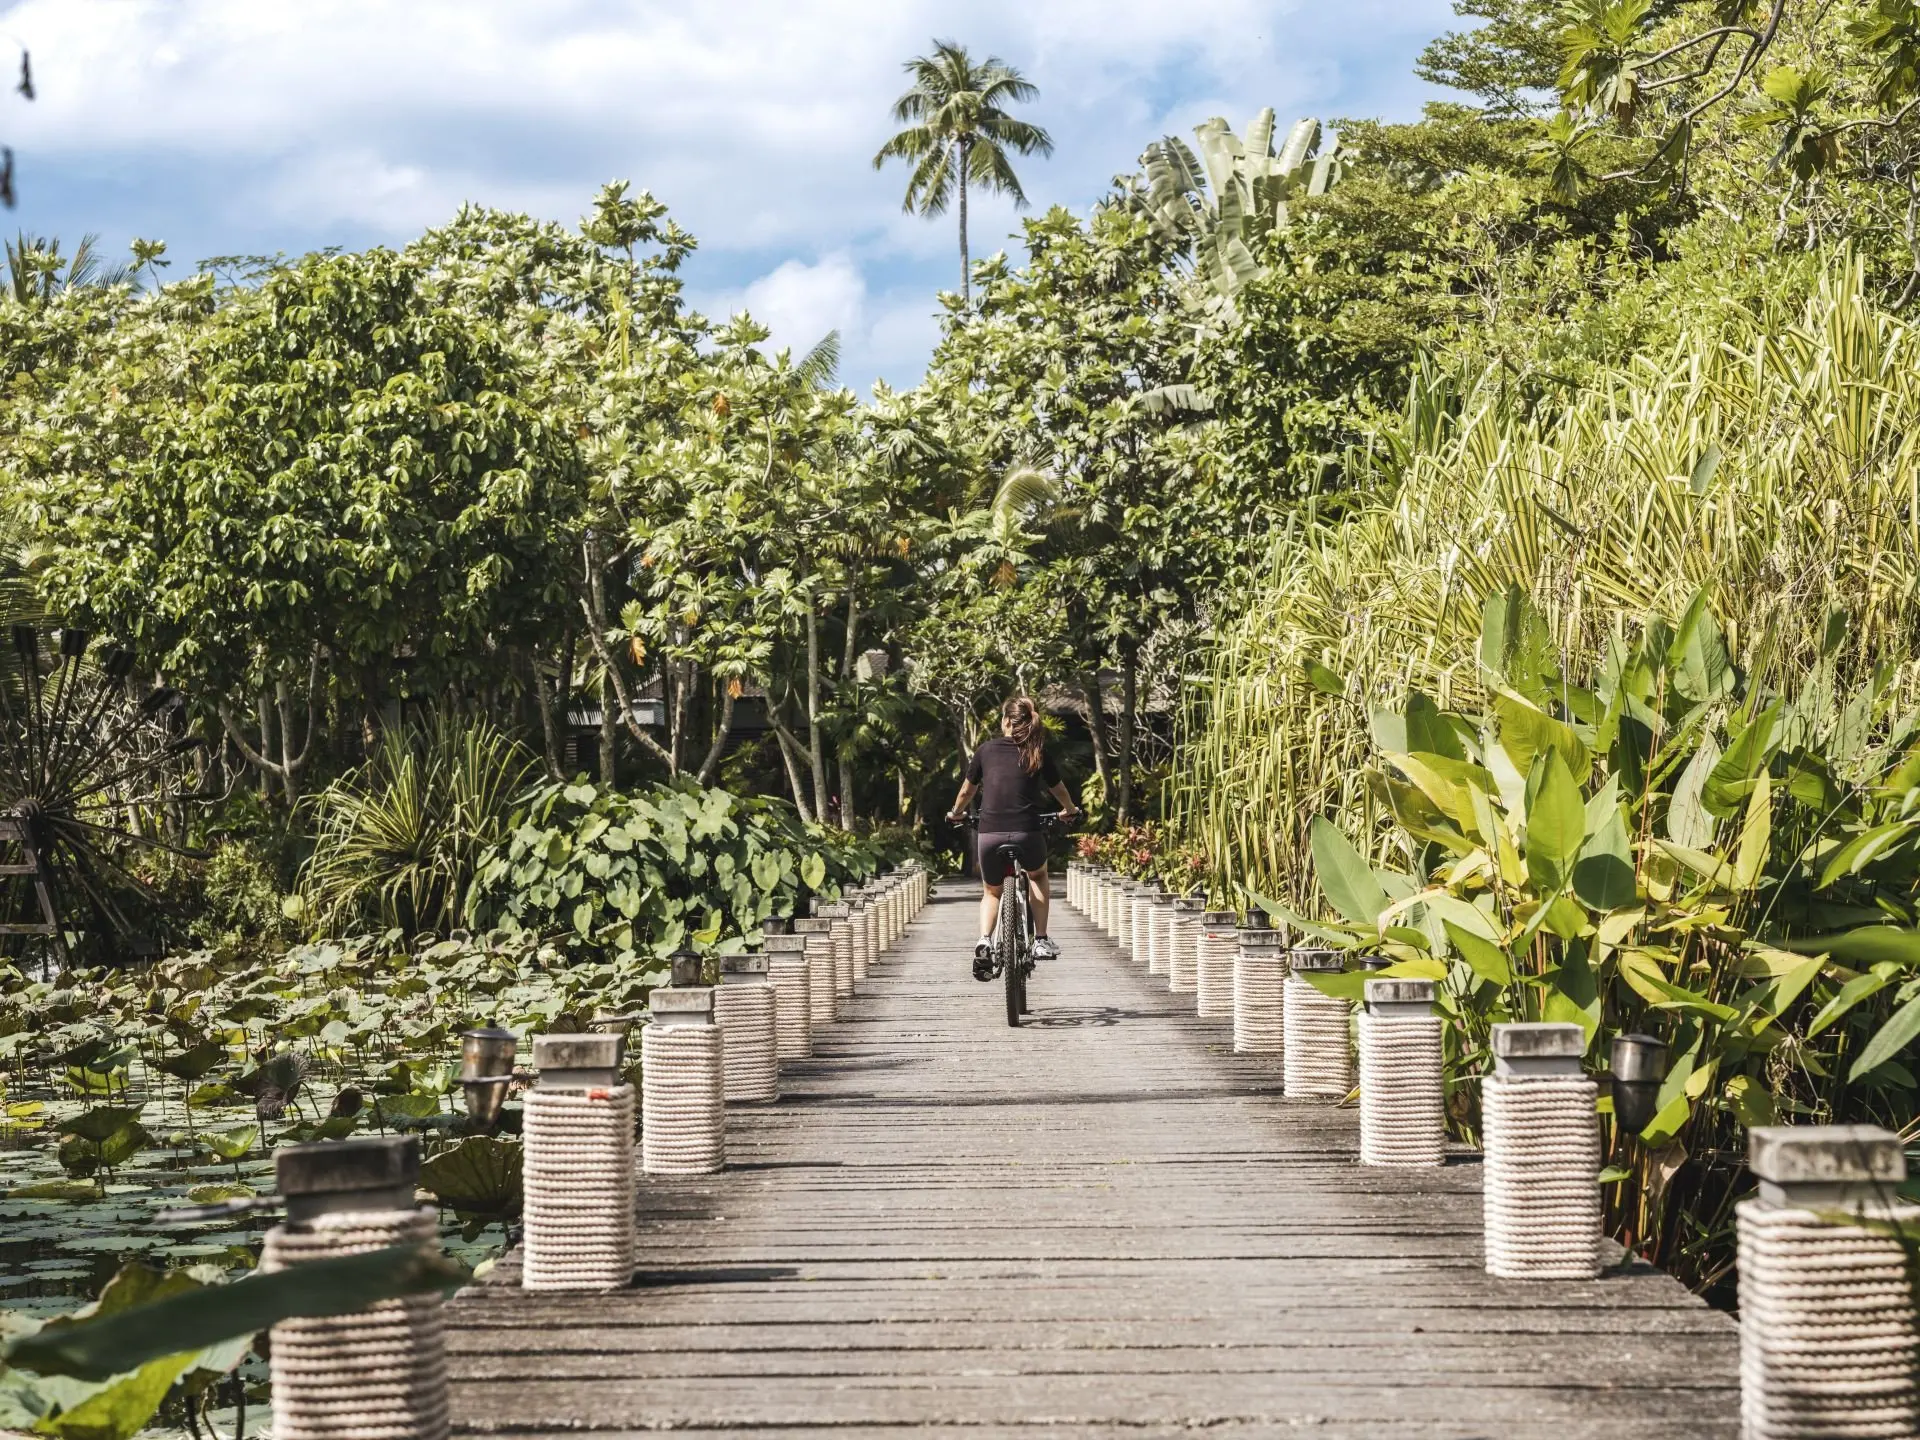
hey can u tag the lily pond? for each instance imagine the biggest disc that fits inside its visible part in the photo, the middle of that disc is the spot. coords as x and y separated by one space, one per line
132 1093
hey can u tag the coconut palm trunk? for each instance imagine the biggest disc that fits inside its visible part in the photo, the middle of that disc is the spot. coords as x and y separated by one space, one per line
964 147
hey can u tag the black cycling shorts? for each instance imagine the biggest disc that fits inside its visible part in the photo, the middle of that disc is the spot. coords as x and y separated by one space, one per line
1031 844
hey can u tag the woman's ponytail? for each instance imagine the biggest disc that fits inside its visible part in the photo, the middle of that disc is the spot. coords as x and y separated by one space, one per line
1020 723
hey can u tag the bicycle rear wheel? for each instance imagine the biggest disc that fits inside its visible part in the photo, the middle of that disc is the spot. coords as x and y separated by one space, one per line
1012 928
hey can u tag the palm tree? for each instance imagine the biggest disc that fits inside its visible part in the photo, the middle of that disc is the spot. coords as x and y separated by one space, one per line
957 132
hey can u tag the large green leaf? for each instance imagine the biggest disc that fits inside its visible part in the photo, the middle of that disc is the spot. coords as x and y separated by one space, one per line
177 1324
1603 875
480 1175
1556 823
1892 1038
1866 945
1525 731
1487 961
1345 876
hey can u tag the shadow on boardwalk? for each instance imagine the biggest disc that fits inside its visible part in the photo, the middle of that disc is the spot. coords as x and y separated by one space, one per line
1103 1222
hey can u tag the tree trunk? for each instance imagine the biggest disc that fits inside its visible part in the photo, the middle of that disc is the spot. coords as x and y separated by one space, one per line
965 147
263 710
849 682
1129 693
790 755
816 744
720 734
608 709
549 733
1097 730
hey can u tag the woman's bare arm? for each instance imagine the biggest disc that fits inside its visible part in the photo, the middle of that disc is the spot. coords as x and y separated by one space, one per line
962 800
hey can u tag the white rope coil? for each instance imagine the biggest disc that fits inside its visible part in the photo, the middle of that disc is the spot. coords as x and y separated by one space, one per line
1183 953
683 1114
1260 1001
1123 922
841 934
1160 940
1829 1339
1213 971
824 997
1541 1177
750 1057
1402 1097
866 924
378 1374
792 1006
1139 918
578 1171
1318 1055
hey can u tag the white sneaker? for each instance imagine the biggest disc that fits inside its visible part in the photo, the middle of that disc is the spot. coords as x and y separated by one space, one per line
1045 949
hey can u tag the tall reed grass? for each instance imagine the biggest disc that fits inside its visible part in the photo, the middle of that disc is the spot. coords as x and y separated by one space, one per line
1770 455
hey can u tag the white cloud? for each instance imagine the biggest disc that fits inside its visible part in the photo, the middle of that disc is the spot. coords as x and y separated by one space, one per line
344 121
800 303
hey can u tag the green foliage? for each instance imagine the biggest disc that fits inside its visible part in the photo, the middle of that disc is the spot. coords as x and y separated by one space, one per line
636 876
1685 854
398 841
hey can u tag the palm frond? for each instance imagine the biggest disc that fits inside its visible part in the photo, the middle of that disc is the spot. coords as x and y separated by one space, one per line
820 367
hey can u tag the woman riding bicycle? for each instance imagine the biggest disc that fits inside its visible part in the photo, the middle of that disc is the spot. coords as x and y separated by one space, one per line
1011 774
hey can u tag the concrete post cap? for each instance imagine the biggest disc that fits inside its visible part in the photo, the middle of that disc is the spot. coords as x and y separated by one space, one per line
831 909
578 1052
1826 1155
1400 992
328 1167
1538 1040
744 967
1317 960
1225 919
1190 907
811 925
1263 939
1162 897
786 944
681 1000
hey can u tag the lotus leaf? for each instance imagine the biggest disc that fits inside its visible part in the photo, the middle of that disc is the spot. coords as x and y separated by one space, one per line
480 1175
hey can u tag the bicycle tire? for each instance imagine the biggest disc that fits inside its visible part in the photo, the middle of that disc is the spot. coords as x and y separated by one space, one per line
1012 962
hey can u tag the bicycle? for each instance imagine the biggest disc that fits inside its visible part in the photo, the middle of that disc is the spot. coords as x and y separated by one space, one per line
1013 933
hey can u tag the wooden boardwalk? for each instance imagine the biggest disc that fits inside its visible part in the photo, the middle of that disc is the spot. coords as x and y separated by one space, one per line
1104 1222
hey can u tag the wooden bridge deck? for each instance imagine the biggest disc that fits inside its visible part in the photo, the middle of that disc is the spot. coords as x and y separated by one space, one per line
1103 1222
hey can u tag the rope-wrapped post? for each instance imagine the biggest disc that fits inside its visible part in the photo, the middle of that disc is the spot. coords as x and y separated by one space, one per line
577 1166
1541 1135
822 982
1183 945
1103 891
789 974
1141 919
381 1371
839 914
864 913
1219 942
745 1010
1318 1055
1829 1336
683 1108
1073 884
1402 1093
1123 916
1260 988
1159 932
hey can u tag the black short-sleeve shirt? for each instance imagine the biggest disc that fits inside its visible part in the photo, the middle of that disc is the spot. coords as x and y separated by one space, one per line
1010 798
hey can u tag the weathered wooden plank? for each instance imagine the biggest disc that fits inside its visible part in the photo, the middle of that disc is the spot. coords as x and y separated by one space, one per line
1102 1221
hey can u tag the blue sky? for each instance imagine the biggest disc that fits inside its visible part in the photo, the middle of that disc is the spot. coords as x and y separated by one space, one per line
257 126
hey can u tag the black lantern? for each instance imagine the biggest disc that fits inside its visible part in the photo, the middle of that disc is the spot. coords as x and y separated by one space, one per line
1639 1067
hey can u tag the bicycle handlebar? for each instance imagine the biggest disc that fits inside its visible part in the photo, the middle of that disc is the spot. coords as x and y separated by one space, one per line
971 820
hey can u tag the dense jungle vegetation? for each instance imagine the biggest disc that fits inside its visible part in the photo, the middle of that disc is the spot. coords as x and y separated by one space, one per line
1488 541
